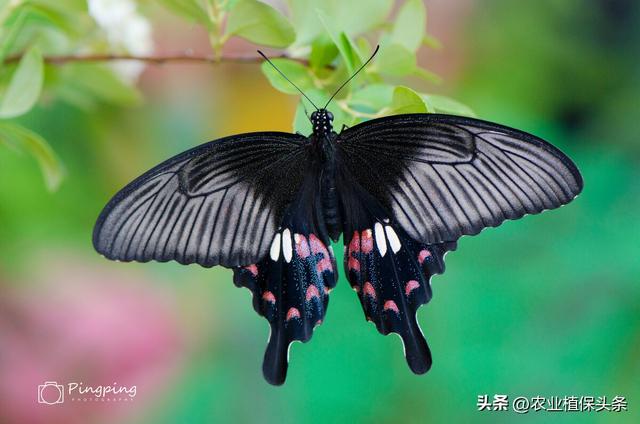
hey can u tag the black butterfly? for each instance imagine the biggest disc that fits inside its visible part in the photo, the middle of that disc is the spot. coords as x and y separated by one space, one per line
402 189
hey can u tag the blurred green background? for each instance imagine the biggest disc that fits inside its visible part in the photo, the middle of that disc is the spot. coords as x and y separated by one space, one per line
548 305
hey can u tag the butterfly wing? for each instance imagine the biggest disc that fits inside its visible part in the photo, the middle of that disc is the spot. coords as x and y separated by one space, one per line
390 272
291 284
442 176
218 203
411 185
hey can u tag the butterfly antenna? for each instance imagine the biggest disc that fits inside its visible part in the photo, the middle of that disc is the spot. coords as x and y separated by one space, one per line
285 77
353 76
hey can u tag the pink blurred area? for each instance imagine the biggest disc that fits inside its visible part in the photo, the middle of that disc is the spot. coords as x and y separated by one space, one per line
90 324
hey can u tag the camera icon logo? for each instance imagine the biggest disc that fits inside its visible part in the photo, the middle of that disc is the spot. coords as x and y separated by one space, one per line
50 393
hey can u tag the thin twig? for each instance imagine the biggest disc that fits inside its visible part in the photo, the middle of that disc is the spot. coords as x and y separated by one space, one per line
156 60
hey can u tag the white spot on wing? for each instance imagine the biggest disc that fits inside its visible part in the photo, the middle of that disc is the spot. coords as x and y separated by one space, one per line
394 241
381 241
287 249
275 247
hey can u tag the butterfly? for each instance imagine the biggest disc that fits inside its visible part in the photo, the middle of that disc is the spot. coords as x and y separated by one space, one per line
400 189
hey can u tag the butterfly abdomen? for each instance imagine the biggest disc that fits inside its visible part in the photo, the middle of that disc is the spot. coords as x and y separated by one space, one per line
329 197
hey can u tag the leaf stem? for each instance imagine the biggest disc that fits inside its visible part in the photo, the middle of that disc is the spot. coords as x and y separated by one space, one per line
156 60
216 37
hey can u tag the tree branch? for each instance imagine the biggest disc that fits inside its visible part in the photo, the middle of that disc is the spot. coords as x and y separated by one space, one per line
156 60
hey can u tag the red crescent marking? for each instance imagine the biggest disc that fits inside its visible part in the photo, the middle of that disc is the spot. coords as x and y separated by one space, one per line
366 243
353 264
324 265
312 291
390 305
354 245
423 255
302 246
293 313
269 297
411 285
253 269
368 290
317 246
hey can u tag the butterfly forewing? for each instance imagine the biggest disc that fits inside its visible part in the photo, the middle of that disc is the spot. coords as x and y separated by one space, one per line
441 177
219 203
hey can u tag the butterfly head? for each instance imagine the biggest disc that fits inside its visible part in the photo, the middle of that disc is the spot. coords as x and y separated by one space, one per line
321 120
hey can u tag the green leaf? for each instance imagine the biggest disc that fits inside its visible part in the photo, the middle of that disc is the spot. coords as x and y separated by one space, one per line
372 98
25 86
260 24
55 16
295 71
9 32
410 25
85 83
32 143
405 100
342 41
428 75
323 52
443 104
351 17
229 4
395 60
301 123
189 9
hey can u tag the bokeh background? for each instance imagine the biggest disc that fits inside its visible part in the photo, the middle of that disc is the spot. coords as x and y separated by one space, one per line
548 305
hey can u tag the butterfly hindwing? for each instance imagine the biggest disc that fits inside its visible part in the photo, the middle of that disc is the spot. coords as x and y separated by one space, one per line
389 272
441 176
219 203
291 284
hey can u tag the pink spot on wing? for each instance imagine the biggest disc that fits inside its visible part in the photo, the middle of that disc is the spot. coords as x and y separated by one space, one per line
269 297
253 269
293 313
354 244
353 264
317 246
411 285
368 290
327 290
323 265
318 322
390 305
423 255
366 241
302 246
312 291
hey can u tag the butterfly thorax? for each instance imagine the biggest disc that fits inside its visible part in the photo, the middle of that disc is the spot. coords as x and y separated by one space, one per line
321 121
